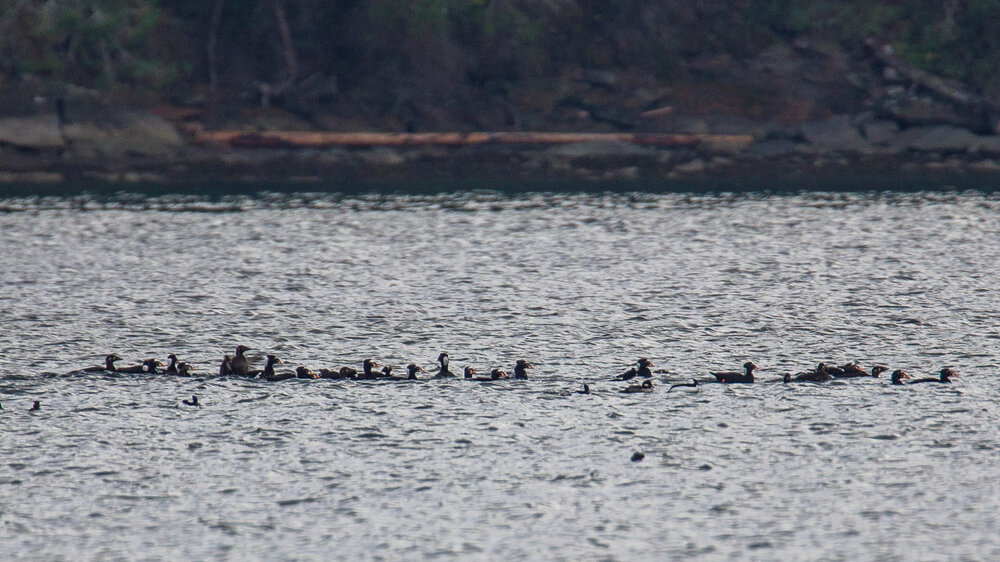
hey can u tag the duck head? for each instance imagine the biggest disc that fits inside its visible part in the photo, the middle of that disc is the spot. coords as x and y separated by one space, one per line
241 349
750 367
443 360
412 369
878 370
947 374
469 371
898 376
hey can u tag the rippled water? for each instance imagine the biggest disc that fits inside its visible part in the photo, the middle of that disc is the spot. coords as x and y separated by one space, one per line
113 466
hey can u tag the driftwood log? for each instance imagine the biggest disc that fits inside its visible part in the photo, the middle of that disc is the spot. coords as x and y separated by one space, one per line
306 139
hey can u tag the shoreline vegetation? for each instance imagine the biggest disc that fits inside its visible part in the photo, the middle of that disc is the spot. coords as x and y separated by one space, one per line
478 92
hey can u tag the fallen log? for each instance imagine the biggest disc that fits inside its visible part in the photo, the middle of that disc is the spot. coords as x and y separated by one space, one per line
307 139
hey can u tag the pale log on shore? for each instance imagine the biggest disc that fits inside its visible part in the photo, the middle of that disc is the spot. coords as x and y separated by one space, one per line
306 139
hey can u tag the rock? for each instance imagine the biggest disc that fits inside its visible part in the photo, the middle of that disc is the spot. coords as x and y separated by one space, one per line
126 132
937 138
880 132
693 167
836 133
38 132
601 149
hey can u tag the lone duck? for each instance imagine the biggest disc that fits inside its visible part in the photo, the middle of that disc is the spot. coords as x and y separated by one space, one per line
109 364
35 407
239 365
520 371
584 390
192 402
898 376
646 386
852 370
443 371
945 377
730 377
692 384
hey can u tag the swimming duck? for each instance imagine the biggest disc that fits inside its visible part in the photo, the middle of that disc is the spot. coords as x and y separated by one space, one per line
184 370
729 377
497 374
584 390
268 371
192 402
945 376
646 386
627 375
692 384
226 368
412 370
898 376
852 370
172 367
644 370
109 364
443 371
520 371
387 372
819 375
366 370
148 366
302 372
35 407
832 371
239 365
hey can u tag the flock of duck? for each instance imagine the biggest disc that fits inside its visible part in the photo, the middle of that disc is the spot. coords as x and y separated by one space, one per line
238 364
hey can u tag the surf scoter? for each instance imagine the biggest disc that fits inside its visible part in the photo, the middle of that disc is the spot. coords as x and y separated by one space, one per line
303 372
226 368
644 370
443 371
729 377
852 370
411 371
692 384
366 370
497 374
192 402
387 372
184 370
239 365
148 366
172 366
520 371
268 371
819 375
945 376
898 376
468 372
627 375
584 390
35 407
646 386
109 364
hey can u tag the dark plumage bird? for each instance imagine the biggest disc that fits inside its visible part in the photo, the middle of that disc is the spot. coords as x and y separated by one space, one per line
520 369
729 377
832 371
469 372
412 370
172 366
820 374
268 371
898 376
35 407
192 402
852 370
627 375
644 370
584 390
692 384
443 371
366 370
302 372
646 386
109 364
226 368
148 366
239 365
945 377
184 370
387 371
497 374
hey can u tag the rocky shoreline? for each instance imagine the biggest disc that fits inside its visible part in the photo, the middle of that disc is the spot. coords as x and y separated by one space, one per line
131 147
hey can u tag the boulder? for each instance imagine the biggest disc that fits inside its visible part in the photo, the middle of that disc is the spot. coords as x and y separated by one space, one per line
836 133
937 138
38 132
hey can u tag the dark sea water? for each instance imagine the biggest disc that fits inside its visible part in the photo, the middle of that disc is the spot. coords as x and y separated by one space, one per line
581 285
